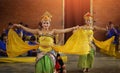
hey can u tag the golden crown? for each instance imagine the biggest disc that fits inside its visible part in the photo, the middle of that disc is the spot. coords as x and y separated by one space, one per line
46 16
87 16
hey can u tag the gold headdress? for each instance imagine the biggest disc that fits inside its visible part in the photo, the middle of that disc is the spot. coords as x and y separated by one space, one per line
46 16
87 16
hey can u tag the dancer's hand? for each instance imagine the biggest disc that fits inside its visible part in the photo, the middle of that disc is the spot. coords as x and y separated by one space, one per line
76 27
17 25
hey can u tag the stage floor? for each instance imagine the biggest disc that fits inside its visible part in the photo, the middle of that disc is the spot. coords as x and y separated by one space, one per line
102 64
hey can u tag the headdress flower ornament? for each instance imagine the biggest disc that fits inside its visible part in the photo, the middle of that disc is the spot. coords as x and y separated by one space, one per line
87 16
46 16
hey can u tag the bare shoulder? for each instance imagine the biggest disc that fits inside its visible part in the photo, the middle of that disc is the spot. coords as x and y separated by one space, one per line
38 31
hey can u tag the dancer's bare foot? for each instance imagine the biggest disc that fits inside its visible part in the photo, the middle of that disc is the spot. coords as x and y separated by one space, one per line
85 70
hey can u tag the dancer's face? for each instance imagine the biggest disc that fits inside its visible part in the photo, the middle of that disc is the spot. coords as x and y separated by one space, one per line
88 21
46 24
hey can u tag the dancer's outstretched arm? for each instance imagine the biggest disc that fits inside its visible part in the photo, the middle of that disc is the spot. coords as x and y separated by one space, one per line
34 31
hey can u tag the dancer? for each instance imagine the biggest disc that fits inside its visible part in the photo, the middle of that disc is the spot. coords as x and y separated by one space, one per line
45 60
86 61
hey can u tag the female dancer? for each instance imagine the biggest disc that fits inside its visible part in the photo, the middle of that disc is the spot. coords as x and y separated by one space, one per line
85 62
45 60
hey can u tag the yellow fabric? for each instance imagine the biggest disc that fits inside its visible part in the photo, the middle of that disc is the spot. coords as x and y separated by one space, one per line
90 35
24 59
107 47
47 42
111 51
104 45
18 59
78 43
16 46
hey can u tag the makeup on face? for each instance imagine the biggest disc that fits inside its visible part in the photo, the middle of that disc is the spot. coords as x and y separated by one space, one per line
46 23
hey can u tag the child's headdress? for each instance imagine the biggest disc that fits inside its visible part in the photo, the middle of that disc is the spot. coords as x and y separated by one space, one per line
46 16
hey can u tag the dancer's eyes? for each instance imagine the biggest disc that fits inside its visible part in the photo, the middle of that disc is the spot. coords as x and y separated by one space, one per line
45 22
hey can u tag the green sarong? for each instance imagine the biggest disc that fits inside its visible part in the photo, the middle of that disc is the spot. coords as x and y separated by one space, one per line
44 65
86 61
